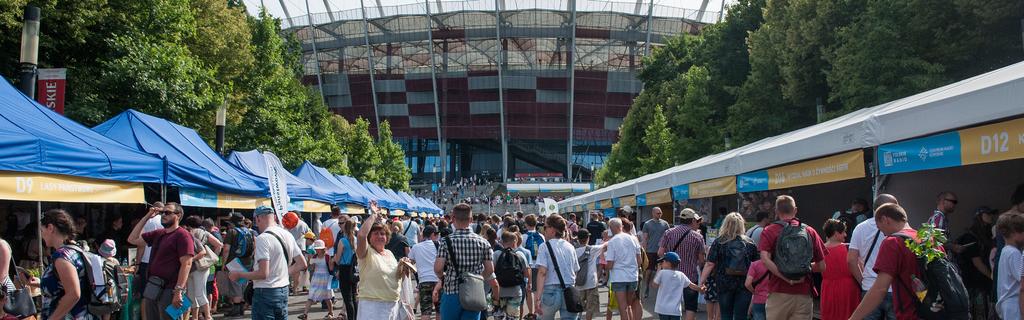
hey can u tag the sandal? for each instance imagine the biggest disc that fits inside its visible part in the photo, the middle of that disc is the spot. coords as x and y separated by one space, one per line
330 316
302 317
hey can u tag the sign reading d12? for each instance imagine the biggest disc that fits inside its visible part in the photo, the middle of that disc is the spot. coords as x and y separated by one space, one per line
994 142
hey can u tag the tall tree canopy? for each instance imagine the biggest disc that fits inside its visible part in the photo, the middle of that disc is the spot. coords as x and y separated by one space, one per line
181 60
765 69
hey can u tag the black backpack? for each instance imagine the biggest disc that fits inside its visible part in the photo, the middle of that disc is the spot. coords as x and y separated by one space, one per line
737 259
947 298
793 251
509 269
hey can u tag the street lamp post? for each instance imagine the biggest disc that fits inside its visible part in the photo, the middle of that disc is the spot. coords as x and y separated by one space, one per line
29 51
221 120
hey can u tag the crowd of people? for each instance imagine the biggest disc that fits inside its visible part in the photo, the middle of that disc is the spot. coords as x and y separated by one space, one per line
516 266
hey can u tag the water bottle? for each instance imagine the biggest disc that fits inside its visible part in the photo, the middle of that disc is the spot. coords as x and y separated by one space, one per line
919 288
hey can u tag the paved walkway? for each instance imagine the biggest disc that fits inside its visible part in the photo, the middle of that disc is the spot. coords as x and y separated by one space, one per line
297 303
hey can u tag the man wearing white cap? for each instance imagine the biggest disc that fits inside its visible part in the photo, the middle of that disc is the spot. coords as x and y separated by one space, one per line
686 241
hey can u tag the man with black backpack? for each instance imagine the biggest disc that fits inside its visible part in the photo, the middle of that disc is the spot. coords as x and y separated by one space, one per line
239 242
276 257
511 271
791 251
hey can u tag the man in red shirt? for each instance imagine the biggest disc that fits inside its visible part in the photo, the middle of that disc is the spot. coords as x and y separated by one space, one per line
787 298
895 262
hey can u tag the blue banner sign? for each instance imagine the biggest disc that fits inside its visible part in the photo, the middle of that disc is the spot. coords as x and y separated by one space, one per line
933 152
753 181
609 213
681 192
616 203
641 200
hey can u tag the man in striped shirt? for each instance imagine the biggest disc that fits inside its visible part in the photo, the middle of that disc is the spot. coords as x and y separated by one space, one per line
686 241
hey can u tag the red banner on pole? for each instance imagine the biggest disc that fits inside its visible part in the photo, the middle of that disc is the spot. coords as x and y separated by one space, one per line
51 86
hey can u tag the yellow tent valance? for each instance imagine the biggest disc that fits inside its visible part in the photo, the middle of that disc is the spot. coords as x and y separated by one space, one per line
209 199
606 203
839 167
713 188
628 201
26 186
659 197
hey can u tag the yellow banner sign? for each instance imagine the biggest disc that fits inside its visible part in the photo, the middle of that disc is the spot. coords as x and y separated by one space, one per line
606 203
231 201
994 142
659 197
315 206
839 167
713 188
25 186
628 201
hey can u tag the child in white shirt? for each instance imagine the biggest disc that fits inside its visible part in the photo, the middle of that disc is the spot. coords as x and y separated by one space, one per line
1011 262
670 282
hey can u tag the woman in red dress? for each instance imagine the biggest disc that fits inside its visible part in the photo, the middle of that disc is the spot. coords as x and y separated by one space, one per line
840 293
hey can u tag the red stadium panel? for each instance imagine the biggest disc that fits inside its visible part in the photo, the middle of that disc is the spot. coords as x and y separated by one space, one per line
421 109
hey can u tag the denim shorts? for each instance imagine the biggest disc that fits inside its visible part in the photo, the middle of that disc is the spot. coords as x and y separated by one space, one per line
624 286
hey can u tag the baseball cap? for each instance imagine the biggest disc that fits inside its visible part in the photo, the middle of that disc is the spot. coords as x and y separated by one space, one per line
627 209
670 257
319 244
262 210
688 214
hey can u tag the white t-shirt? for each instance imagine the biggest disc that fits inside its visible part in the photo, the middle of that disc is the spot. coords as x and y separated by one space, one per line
567 263
623 249
335 228
670 292
299 232
592 272
754 233
153 224
268 248
1008 282
861 240
424 254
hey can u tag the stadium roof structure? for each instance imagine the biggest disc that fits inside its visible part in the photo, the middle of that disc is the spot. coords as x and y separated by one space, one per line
549 80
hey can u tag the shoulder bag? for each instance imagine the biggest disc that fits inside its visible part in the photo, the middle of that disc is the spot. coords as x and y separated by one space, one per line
19 303
570 295
472 296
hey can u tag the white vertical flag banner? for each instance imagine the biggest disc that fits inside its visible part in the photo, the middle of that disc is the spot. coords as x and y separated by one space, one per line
277 183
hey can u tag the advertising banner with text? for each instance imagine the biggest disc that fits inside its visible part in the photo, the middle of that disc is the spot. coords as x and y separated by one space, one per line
984 144
713 188
50 87
209 199
27 186
839 167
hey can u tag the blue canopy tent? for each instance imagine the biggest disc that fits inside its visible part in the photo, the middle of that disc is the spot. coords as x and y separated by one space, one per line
383 196
355 187
413 204
192 165
255 162
430 205
40 144
320 177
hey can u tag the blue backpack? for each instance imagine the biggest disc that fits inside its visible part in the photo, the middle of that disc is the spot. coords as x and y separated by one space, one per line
533 241
245 242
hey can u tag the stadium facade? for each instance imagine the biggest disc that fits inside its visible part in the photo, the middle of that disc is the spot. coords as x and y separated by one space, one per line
484 87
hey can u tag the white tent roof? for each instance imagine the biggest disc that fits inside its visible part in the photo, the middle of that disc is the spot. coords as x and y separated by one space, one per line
995 95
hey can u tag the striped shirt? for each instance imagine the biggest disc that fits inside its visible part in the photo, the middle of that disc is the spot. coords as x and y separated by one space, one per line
689 249
471 251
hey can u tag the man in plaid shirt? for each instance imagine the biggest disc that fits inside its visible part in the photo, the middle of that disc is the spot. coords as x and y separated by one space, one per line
472 254
686 241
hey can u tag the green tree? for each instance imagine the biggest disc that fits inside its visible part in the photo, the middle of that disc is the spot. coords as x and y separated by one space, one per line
658 139
363 158
393 172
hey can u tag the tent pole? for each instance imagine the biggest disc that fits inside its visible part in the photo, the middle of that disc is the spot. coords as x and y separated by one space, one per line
163 193
39 230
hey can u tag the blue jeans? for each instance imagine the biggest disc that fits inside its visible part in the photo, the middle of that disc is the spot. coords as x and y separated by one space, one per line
733 304
451 309
553 301
668 317
270 303
884 310
758 312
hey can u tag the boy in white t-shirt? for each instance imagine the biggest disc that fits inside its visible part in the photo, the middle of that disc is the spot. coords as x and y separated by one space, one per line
670 282
1011 262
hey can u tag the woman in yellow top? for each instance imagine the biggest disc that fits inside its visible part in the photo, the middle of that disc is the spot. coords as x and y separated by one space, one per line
378 271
